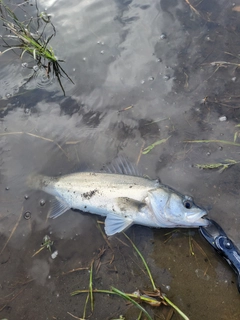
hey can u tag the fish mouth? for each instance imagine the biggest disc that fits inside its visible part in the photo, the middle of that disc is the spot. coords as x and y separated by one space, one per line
198 219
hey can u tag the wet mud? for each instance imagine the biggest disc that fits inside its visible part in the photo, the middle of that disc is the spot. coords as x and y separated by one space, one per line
142 73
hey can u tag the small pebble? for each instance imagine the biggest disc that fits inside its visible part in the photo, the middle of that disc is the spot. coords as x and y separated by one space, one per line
222 118
54 254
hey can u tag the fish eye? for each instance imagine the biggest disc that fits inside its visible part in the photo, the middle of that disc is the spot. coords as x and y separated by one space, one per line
188 203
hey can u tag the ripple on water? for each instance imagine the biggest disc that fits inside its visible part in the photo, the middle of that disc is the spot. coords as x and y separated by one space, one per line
40 79
11 80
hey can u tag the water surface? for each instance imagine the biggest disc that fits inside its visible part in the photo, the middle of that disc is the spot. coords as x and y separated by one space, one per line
141 72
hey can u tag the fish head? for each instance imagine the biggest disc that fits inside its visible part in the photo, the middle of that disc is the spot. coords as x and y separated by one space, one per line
172 209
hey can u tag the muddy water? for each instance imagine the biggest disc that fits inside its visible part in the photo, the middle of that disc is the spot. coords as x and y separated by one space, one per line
141 72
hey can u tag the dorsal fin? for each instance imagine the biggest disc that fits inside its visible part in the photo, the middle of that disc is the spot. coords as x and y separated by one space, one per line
121 165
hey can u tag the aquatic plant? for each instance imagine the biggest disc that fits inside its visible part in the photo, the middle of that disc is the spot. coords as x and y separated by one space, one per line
153 298
29 37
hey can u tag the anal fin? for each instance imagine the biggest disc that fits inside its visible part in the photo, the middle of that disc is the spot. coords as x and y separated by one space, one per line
115 224
57 208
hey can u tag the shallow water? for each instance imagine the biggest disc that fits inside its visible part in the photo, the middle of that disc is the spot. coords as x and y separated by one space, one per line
141 73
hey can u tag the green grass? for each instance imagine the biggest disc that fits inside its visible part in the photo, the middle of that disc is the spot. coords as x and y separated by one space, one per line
154 299
152 146
27 40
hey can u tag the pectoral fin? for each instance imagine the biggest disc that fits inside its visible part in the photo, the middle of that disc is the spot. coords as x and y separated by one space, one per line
115 224
58 207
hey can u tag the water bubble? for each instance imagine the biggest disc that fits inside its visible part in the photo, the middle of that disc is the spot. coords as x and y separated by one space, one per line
143 81
102 43
102 51
163 36
27 110
234 79
8 95
35 68
166 77
42 202
26 196
150 78
84 58
49 277
208 39
74 69
27 215
24 64
7 188
159 60
208 153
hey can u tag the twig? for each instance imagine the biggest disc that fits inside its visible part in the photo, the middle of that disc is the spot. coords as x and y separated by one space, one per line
13 230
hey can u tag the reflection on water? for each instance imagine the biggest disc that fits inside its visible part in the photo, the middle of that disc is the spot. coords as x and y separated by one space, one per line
142 73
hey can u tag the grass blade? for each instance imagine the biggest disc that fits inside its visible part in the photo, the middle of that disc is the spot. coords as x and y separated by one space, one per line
176 308
126 297
149 148
215 141
144 262
90 286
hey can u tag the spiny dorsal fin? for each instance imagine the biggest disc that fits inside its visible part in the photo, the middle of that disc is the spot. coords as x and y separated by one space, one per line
121 165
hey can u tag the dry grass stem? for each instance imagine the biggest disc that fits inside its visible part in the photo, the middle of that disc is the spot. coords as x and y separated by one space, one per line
35 136
74 316
13 230
74 270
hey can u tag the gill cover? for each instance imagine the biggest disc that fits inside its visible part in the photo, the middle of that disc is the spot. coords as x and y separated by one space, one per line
171 209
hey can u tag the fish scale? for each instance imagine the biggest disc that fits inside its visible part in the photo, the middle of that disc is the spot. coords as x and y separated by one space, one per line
123 197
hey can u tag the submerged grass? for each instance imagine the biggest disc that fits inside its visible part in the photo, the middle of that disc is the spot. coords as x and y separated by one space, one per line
221 166
144 262
152 146
154 298
29 40
214 141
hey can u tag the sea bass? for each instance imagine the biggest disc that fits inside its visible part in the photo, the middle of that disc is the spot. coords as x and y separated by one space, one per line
124 197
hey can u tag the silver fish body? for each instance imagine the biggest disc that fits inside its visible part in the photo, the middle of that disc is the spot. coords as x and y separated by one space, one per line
123 199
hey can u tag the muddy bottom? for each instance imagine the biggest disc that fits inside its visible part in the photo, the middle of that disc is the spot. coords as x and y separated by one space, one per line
162 75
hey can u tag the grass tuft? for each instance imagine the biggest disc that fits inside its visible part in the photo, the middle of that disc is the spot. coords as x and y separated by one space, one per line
32 40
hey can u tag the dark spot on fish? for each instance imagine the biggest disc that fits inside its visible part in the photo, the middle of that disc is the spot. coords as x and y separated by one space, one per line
88 195
85 207
130 186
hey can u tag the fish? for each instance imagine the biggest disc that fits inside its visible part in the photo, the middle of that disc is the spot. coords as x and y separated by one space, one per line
124 196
